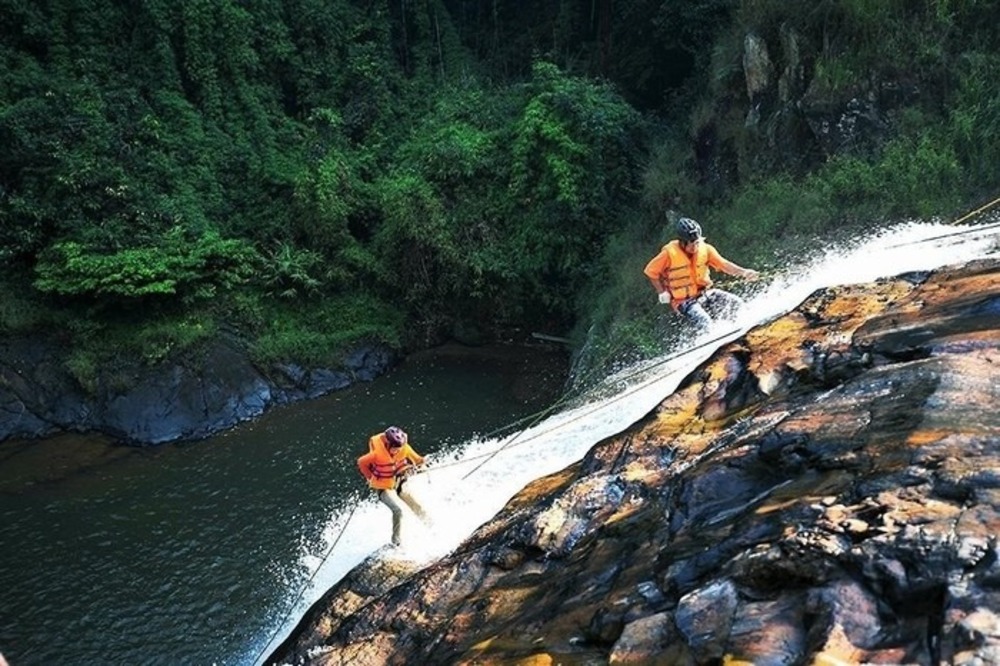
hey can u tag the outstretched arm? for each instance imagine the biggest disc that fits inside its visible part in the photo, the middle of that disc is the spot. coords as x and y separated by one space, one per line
718 262
730 268
414 457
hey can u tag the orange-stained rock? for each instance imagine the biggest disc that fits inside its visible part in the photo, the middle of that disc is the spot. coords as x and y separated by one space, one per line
823 490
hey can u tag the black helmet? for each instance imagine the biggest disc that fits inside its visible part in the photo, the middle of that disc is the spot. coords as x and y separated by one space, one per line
395 436
688 230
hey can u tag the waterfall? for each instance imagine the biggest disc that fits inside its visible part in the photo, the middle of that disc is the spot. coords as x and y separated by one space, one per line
466 486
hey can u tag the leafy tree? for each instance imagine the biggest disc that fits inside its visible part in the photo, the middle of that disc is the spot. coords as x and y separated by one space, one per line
501 197
194 268
448 160
575 155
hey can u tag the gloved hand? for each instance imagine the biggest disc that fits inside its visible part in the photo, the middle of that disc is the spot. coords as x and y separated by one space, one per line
664 297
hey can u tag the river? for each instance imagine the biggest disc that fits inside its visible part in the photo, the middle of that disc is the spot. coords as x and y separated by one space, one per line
209 552
189 553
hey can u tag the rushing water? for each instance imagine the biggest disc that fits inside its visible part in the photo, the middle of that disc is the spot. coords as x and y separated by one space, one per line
210 552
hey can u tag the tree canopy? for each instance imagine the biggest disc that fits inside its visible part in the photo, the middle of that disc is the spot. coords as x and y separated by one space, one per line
449 163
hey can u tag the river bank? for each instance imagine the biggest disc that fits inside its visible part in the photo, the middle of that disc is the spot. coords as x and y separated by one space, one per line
188 552
532 374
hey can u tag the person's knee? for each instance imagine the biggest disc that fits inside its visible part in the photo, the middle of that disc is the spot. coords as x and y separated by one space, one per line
698 316
414 505
391 500
722 303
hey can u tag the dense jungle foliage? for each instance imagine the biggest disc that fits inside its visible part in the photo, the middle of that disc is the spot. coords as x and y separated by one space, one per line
307 174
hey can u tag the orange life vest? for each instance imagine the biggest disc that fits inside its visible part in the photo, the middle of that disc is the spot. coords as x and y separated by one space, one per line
381 467
684 276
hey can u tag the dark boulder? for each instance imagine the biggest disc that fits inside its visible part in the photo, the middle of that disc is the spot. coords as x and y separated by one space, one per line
188 397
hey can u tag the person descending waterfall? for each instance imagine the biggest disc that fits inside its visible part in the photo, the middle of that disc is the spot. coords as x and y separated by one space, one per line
388 461
680 276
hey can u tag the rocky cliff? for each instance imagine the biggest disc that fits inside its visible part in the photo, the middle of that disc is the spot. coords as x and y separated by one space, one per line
824 490
189 396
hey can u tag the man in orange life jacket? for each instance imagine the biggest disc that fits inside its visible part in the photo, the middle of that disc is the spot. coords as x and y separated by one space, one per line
680 275
389 459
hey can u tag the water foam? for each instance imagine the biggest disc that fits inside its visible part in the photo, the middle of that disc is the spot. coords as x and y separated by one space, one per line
467 486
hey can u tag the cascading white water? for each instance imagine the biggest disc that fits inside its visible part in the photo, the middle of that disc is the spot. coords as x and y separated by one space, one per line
468 485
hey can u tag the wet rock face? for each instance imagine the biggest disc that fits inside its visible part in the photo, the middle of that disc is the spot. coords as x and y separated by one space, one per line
189 397
824 490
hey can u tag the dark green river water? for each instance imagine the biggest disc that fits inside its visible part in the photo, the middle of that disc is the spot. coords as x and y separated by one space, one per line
194 553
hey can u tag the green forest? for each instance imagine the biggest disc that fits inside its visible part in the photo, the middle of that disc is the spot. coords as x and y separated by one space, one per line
306 175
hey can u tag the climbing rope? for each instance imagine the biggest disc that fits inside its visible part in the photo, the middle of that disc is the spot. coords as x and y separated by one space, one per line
534 419
537 418
510 443
969 230
305 585
977 211
516 439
